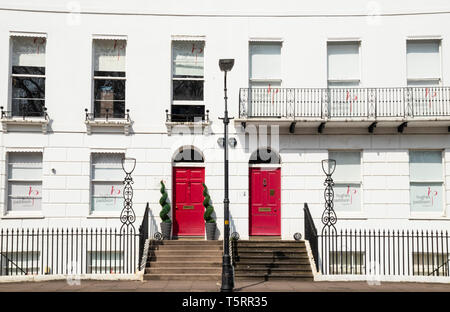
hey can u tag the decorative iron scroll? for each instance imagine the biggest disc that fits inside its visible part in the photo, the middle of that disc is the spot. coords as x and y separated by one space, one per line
329 217
127 216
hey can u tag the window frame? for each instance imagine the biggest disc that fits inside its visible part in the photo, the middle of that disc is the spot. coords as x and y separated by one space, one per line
8 211
358 80
263 80
352 213
94 78
12 36
433 214
424 79
101 213
172 78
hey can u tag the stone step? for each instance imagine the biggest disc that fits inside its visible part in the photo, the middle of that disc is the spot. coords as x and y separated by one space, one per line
265 261
270 250
271 266
184 258
270 244
274 274
269 254
183 270
187 264
183 277
186 242
185 252
186 247
273 277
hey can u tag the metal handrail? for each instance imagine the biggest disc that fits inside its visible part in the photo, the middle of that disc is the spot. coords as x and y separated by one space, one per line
439 267
311 234
18 267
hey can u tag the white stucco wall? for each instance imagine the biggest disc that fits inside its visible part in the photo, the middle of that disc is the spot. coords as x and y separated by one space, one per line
227 29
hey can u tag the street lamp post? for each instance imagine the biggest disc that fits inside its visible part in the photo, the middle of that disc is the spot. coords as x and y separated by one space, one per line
227 270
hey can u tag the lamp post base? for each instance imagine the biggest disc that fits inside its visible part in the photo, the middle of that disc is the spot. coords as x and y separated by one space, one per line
227 275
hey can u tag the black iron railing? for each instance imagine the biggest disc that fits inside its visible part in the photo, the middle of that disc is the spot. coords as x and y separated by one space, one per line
143 232
25 111
188 117
68 251
73 251
107 115
311 234
358 103
384 252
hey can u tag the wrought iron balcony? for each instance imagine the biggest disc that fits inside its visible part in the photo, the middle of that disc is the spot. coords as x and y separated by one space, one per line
24 111
188 117
106 115
345 103
26 116
104 118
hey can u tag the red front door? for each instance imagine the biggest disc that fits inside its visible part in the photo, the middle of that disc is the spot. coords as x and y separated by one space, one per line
265 201
188 201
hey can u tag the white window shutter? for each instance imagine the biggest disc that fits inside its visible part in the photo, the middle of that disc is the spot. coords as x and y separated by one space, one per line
425 165
28 51
187 58
109 55
423 59
343 61
265 61
348 166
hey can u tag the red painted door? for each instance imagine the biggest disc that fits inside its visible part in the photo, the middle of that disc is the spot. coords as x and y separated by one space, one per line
265 216
188 201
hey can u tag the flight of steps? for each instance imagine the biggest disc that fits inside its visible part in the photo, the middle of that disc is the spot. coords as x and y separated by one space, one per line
186 260
271 260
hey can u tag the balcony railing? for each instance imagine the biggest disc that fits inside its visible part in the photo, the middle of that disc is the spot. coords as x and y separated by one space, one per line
326 103
24 111
107 115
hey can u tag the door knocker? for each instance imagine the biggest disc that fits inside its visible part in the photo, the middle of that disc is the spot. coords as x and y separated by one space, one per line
264 182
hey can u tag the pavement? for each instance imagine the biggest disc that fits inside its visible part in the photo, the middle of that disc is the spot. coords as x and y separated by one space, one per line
212 286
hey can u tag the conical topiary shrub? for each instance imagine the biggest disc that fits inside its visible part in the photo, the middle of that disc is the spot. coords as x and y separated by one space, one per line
166 223
210 223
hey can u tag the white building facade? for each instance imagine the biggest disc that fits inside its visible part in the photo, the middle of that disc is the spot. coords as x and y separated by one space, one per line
83 85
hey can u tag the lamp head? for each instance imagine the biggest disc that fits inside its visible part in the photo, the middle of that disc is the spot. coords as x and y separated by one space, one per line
328 166
128 165
226 64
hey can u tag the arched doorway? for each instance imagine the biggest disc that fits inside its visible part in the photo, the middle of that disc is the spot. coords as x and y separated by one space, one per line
188 176
265 193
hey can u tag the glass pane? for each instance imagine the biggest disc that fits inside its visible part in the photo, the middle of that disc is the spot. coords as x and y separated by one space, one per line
348 166
426 197
109 55
187 113
28 51
31 108
111 109
28 70
18 172
25 189
107 166
423 59
265 60
28 87
25 166
187 59
23 196
188 90
347 197
109 90
425 165
343 60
